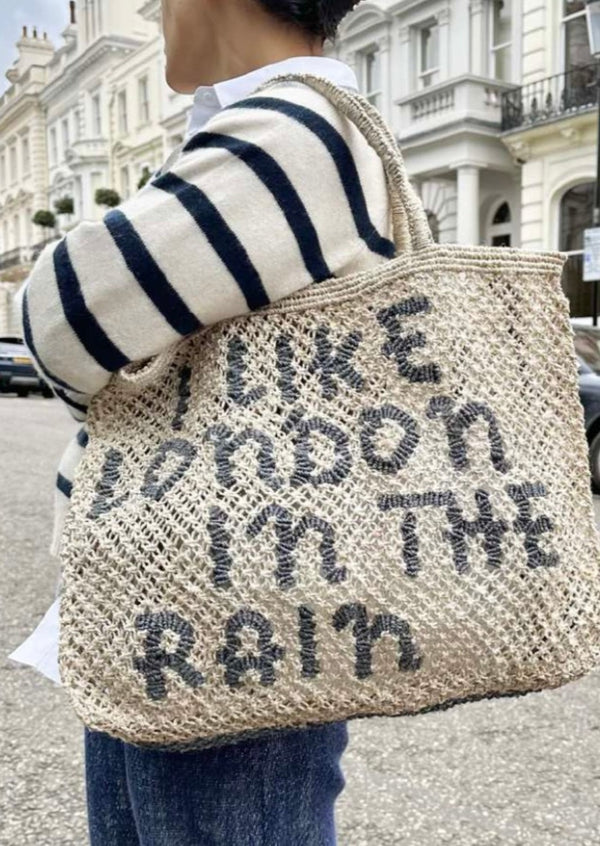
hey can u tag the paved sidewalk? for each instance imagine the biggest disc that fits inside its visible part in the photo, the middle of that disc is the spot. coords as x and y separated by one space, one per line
505 773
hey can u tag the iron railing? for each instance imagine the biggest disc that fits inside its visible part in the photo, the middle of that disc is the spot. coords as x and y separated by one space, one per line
548 99
11 258
22 255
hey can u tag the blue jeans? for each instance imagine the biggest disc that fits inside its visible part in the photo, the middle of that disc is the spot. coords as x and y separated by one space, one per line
274 791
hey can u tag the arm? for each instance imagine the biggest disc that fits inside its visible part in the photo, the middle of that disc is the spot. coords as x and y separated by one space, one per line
232 226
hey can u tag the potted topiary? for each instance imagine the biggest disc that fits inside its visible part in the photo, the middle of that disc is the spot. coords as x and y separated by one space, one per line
144 177
64 206
107 197
44 218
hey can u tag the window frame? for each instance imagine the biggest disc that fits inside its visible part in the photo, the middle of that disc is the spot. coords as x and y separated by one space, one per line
578 253
373 95
427 78
13 158
65 132
144 115
564 21
123 115
503 229
97 124
494 49
53 145
26 155
125 182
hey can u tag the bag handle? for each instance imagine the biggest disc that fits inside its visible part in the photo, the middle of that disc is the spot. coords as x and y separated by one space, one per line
410 225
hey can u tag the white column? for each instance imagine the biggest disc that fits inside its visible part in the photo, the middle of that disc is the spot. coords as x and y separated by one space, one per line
467 205
87 201
384 45
404 75
443 20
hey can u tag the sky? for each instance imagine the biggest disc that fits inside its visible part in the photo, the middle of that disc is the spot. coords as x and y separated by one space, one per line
51 16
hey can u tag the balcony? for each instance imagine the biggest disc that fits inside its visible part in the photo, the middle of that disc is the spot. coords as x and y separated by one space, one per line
466 98
560 96
20 256
14 257
87 151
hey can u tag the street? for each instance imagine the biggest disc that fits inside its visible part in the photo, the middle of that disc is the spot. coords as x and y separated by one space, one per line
524 771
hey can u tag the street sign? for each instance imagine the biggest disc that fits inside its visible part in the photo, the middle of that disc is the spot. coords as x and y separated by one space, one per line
591 254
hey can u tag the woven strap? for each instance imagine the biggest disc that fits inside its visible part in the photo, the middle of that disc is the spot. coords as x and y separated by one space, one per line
411 229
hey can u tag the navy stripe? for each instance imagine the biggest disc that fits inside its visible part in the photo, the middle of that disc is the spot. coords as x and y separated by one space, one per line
150 277
67 399
32 349
222 239
82 438
64 486
89 332
274 177
344 162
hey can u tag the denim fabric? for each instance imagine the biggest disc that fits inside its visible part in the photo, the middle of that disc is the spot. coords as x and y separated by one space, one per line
274 791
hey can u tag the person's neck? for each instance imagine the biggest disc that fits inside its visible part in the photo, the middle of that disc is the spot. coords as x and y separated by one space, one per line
263 50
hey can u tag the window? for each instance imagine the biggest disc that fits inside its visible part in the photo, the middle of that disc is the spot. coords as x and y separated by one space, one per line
372 77
434 225
122 106
66 141
125 186
91 21
26 158
500 233
14 175
17 231
5 236
2 170
53 147
76 119
143 100
428 50
96 115
501 39
576 213
575 35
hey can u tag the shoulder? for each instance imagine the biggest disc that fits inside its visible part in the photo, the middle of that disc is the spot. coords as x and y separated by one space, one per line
291 116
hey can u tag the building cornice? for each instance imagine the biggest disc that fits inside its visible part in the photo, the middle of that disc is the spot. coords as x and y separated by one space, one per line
15 110
173 121
150 10
94 53
466 125
452 82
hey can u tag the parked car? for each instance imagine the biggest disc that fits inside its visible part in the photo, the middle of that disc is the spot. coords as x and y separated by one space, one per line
17 373
587 346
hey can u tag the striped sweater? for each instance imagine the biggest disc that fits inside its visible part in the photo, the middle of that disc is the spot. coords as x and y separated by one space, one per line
276 192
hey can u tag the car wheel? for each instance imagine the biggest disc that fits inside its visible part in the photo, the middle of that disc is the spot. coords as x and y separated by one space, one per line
22 392
594 454
47 392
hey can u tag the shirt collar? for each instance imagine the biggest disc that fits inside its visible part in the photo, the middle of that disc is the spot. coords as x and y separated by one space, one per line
210 99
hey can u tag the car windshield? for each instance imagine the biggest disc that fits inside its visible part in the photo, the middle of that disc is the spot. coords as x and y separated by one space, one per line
587 346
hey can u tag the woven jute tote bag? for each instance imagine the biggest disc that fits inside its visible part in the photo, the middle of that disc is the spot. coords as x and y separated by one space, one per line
370 498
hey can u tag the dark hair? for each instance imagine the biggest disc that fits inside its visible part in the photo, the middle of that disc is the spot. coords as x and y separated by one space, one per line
315 17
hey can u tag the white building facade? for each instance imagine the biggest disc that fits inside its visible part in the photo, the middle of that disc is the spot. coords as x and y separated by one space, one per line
78 100
493 102
23 160
94 113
